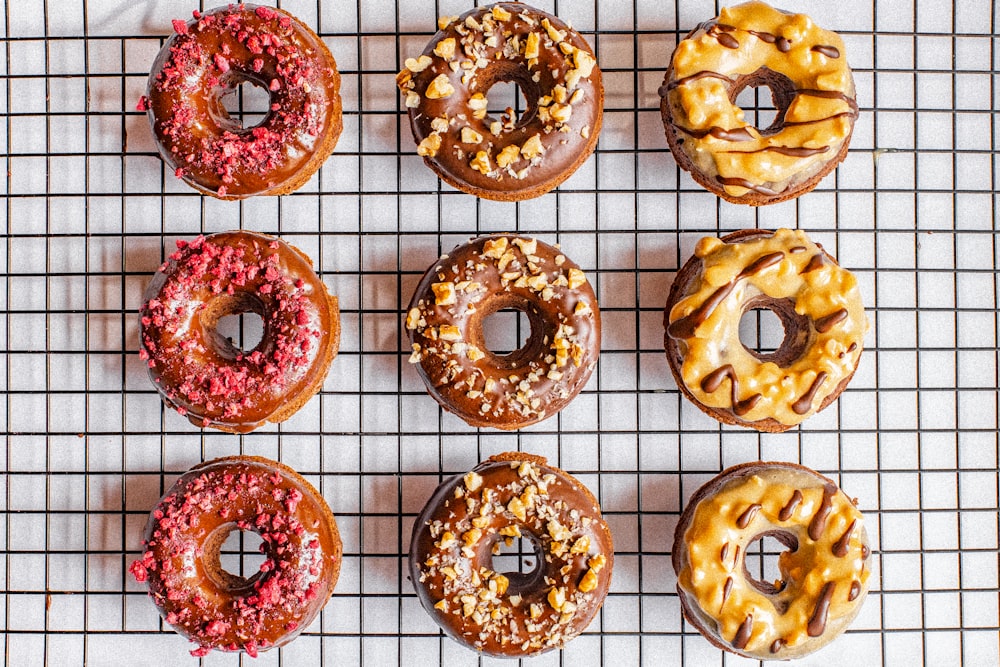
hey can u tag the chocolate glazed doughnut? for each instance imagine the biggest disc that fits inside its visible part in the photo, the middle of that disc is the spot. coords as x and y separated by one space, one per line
818 304
824 572
200 373
219 610
208 58
512 614
507 158
812 88
445 325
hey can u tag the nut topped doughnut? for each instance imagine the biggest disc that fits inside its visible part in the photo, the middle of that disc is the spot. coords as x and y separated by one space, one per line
461 529
824 572
818 304
207 59
203 375
219 610
812 88
463 288
506 158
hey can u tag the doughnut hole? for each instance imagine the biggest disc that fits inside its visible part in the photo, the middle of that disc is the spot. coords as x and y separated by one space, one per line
234 325
771 330
520 560
506 86
232 557
762 560
506 331
499 308
243 103
746 91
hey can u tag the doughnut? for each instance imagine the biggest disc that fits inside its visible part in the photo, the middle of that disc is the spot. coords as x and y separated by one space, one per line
512 614
508 158
824 572
203 375
214 608
207 59
812 88
445 325
818 304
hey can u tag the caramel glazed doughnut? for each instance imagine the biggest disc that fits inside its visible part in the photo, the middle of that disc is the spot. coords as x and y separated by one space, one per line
207 59
512 614
824 572
811 86
203 375
505 159
219 610
445 325
819 306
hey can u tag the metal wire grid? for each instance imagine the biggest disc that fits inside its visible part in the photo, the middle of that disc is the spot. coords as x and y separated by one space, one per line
89 213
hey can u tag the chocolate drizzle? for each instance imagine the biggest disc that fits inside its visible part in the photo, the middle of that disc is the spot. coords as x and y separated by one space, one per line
865 551
783 45
743 634
842 114
777 645
727 40
685 327
748 515
841 545
738 134
788 510
726 590
855 591
818 523
827 50
724 552
824 324
713 381
804 403
817 262
817 624
704 74
791 151
744 183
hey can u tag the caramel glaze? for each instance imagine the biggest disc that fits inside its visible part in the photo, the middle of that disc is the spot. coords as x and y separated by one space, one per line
209 57
759 58
512 614
445 325
219 610
201 374
824 572
801 333
554 68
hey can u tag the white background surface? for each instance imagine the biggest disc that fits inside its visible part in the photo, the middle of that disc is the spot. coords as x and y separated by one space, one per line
88 213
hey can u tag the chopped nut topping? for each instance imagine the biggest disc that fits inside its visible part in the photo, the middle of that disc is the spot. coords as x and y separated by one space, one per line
557 598
440 88
473 481
495 248
555 35
584 62
517 508
412 100
470 136
597 563
582 307
589 581
561 112
418 64
532 147
512 530
447 540
496 127
444 293
507 156
581 546
441 605
531 46
471 537
501 14
576 278
430 145
413 318
528 246
445 48
577 96
446 21
535 611
559 94
481 162
558 531
449 332
440 124
585 132
474 353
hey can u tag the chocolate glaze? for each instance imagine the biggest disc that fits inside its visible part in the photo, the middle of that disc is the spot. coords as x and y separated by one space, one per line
817 623
563 151
818 524
804 403
444 512
201 374
219 610
210 56
789 509
447 371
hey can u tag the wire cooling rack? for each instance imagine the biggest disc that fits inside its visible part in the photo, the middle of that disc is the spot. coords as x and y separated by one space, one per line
89 212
